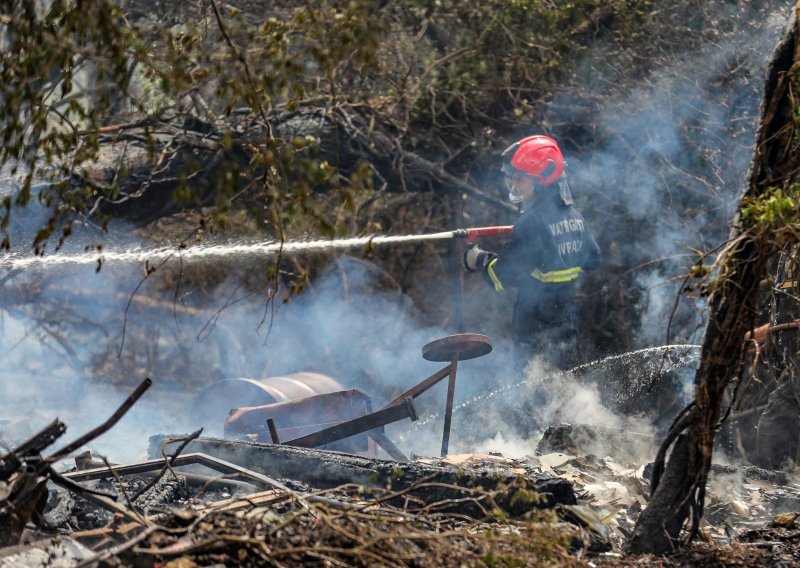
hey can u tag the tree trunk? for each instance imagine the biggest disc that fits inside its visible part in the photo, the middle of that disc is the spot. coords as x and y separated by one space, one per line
679 493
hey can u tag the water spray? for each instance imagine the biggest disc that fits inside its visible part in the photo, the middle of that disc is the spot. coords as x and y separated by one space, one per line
670 356
138 255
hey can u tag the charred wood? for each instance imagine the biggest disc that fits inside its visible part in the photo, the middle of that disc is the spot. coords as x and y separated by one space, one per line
582 439
28 489
23 468
28 473
14 459
324 469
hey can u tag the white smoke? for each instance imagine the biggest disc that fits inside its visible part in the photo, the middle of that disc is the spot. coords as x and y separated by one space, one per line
669 159
363 339
67 331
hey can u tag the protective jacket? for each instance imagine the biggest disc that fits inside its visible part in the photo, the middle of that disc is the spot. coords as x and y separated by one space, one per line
549 248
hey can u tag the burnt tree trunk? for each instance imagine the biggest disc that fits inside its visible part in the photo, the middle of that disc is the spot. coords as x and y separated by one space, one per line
679 487
429 482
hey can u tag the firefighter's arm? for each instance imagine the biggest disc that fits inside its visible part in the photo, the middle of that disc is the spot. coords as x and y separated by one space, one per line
512 266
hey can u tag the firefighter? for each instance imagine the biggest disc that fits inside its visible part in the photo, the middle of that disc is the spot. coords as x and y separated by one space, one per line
549 248
778 430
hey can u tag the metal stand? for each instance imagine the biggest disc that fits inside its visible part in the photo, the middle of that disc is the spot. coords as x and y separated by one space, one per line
452 348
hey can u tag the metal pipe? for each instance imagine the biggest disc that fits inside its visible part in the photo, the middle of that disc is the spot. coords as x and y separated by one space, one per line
419 388
473 234
448 412
273 431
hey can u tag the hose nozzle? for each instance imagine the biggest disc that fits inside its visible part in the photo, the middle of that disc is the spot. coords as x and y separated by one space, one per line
472 235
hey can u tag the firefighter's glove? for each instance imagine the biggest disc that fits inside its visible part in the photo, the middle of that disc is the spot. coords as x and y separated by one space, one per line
475 258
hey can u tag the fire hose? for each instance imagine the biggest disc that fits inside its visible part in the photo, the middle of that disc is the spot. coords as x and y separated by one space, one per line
471 235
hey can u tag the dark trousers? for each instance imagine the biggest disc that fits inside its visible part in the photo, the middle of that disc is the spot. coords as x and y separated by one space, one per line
548 331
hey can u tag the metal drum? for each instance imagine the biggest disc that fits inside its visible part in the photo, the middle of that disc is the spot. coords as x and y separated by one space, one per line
211 406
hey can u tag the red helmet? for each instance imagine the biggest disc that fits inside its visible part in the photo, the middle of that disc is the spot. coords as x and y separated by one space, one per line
538 156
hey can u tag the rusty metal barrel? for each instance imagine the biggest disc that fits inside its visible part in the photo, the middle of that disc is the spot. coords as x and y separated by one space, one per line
212 405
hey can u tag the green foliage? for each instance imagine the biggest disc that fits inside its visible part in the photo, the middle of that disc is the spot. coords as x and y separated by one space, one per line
774 214
45 76
450 70
769 219
72 70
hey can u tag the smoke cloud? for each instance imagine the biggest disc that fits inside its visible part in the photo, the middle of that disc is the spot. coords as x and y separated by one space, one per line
661 179
658 173
74 353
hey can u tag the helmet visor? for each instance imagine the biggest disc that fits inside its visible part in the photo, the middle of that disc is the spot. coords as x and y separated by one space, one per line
510 181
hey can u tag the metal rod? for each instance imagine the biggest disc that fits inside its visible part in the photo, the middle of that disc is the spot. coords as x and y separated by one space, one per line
137 468
419 388
358 425
448 412
389 447
273 431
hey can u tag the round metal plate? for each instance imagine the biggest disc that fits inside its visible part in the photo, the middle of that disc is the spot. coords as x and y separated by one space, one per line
465 345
